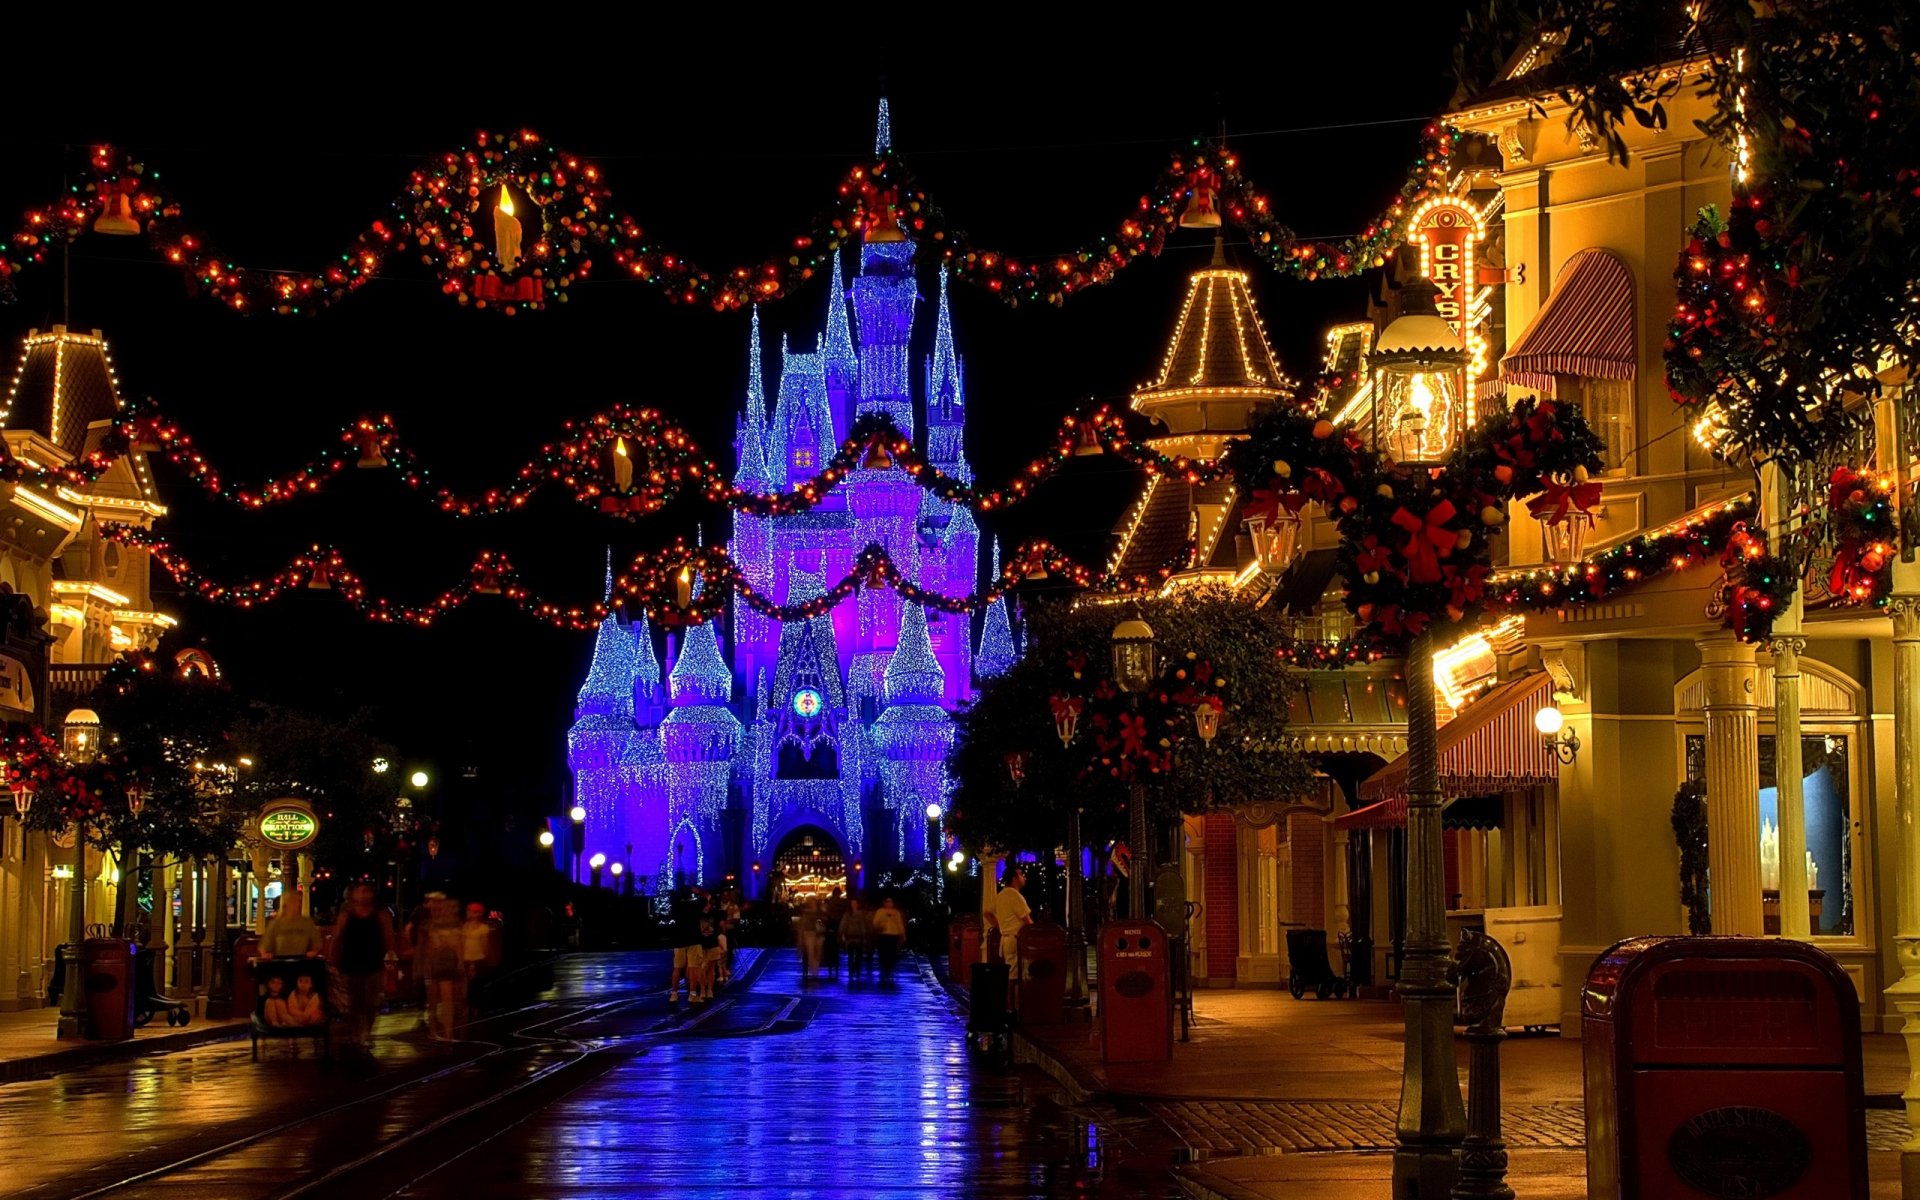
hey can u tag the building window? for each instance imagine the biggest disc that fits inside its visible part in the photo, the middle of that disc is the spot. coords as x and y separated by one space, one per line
803 458
1826 808
1608 406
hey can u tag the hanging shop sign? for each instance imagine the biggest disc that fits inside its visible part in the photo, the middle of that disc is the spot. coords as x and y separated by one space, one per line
288 824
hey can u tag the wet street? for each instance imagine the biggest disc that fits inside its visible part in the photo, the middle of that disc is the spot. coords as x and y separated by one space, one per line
586 1082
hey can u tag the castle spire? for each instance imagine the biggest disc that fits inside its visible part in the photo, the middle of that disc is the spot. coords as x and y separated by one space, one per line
750 438
913 675
646 665
883 130
700 675
842 361
608 690
944 396
756 386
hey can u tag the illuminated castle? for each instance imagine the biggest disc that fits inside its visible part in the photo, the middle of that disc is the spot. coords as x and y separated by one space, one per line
834 729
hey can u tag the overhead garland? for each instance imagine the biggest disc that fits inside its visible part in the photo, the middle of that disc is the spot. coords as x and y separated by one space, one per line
626 462
662 585
509 224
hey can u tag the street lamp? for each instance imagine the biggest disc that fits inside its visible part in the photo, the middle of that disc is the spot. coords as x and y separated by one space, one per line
419 779
1133 668
577 836
546 839
596 862
80 741
1420 367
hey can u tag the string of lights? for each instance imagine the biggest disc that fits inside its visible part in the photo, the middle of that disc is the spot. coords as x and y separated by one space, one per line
509 224
626 462
682 585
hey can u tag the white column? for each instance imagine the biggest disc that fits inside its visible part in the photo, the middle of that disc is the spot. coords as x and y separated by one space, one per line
1733 784
1796 919
1905 994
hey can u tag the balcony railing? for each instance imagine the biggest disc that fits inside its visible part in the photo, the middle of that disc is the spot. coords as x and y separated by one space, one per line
69 682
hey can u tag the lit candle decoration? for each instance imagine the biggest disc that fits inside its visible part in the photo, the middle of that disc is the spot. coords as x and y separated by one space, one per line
622 465
506 231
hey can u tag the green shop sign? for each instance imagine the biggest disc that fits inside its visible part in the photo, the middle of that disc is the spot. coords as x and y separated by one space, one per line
288 825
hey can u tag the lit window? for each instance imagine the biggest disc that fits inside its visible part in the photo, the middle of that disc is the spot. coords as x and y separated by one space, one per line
1608 406
803 458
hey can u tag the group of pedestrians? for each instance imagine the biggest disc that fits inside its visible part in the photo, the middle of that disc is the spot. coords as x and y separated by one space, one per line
445 952
826 927
702 925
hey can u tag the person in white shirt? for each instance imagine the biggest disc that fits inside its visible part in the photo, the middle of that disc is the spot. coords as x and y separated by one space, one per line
1010 916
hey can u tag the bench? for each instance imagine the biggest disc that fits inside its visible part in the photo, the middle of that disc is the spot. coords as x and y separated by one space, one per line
287 970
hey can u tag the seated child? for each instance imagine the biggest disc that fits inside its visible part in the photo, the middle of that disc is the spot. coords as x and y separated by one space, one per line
275 1009
305 1006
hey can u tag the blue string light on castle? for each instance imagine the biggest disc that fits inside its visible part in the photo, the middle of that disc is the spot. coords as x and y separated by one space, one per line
834 728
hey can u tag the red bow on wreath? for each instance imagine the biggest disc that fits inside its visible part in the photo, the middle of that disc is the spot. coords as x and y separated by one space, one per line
1371 556
1847 571
1557 500
1133 734
1322 485
1428 540
1841 485
1267 502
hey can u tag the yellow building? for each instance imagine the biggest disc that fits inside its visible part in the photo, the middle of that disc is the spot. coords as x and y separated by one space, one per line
84 599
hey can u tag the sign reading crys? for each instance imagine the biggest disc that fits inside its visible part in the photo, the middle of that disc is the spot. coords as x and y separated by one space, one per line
288 824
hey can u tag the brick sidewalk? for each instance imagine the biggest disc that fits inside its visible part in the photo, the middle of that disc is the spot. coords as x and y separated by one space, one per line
29 1049
1297 1099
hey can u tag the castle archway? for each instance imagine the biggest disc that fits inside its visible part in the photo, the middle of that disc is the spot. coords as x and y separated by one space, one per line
808 862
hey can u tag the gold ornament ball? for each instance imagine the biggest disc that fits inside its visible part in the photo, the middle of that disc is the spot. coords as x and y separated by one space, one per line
1492 515
1464 540
1282 468
1579 474
1384 491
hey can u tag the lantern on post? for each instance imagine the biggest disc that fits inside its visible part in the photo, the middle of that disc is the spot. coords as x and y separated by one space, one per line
1133 656
136 797
1275 537
80 735
1419 367
1206 721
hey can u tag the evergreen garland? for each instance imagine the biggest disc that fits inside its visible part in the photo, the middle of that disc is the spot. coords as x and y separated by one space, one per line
1690 831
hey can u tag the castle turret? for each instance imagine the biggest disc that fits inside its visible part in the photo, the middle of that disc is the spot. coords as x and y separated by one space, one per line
698 739
997 652
601 732
946 399
842 365
914 733
883 298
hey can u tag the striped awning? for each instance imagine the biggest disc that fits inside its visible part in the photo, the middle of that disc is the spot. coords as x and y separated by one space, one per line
1468 812
1585 327
1489 747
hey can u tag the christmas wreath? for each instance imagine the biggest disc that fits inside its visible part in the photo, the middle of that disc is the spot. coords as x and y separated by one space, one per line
1862 523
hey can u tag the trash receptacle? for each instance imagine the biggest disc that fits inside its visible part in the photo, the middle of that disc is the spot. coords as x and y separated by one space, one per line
963 947
240 979
989 1025
1722 1066
1136 996
106 975
1043 977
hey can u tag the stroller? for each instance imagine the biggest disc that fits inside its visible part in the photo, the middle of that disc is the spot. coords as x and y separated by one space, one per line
148 1002
1307 951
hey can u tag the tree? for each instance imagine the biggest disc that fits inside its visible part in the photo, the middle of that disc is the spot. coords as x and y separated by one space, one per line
329 764
1218 651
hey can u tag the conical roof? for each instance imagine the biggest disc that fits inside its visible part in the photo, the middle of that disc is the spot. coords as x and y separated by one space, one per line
64 382
1219 365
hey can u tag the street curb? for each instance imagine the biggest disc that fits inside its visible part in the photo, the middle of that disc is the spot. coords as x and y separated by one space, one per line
59 1062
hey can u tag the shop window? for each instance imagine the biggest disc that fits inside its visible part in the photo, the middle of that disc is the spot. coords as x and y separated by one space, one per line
1827 807
1608 406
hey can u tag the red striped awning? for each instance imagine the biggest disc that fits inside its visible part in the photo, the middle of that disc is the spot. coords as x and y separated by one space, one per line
1585 327
1489 747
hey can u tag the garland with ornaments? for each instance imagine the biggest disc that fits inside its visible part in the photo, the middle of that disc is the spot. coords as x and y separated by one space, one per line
509 224
1864 531
662 585
626 462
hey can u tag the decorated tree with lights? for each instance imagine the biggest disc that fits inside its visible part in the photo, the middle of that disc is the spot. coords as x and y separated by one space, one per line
1015 780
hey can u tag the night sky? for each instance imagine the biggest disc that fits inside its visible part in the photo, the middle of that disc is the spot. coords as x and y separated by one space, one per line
282 156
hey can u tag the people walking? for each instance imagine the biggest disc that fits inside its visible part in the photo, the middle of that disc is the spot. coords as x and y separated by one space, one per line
446 978
683 927
810 931
836 908
888 929
363 938
479 947
855 935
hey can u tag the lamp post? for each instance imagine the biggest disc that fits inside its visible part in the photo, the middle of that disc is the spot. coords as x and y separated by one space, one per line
1066 722
1420 366
577 836
80 741
1133 663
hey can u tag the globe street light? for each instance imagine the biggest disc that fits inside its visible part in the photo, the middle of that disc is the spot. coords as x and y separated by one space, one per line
546 839
1133 669
418 779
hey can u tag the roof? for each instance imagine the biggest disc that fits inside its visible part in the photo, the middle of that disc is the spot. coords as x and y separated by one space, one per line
64 382
1584 328
1156 528
1219 347
1304 585
1490 746
1535 70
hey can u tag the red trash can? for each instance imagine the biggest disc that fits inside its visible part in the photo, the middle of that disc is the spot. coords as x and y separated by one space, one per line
106 974
1136 993
1043 973
1722 1066
963 947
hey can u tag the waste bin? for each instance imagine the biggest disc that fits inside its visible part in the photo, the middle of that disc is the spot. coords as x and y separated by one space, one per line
989 1025
963 947
1043 983
1136 999
240 974
1722 1066
106 976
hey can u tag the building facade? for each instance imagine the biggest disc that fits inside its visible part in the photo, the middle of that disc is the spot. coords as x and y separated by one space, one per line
813 748
74 600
